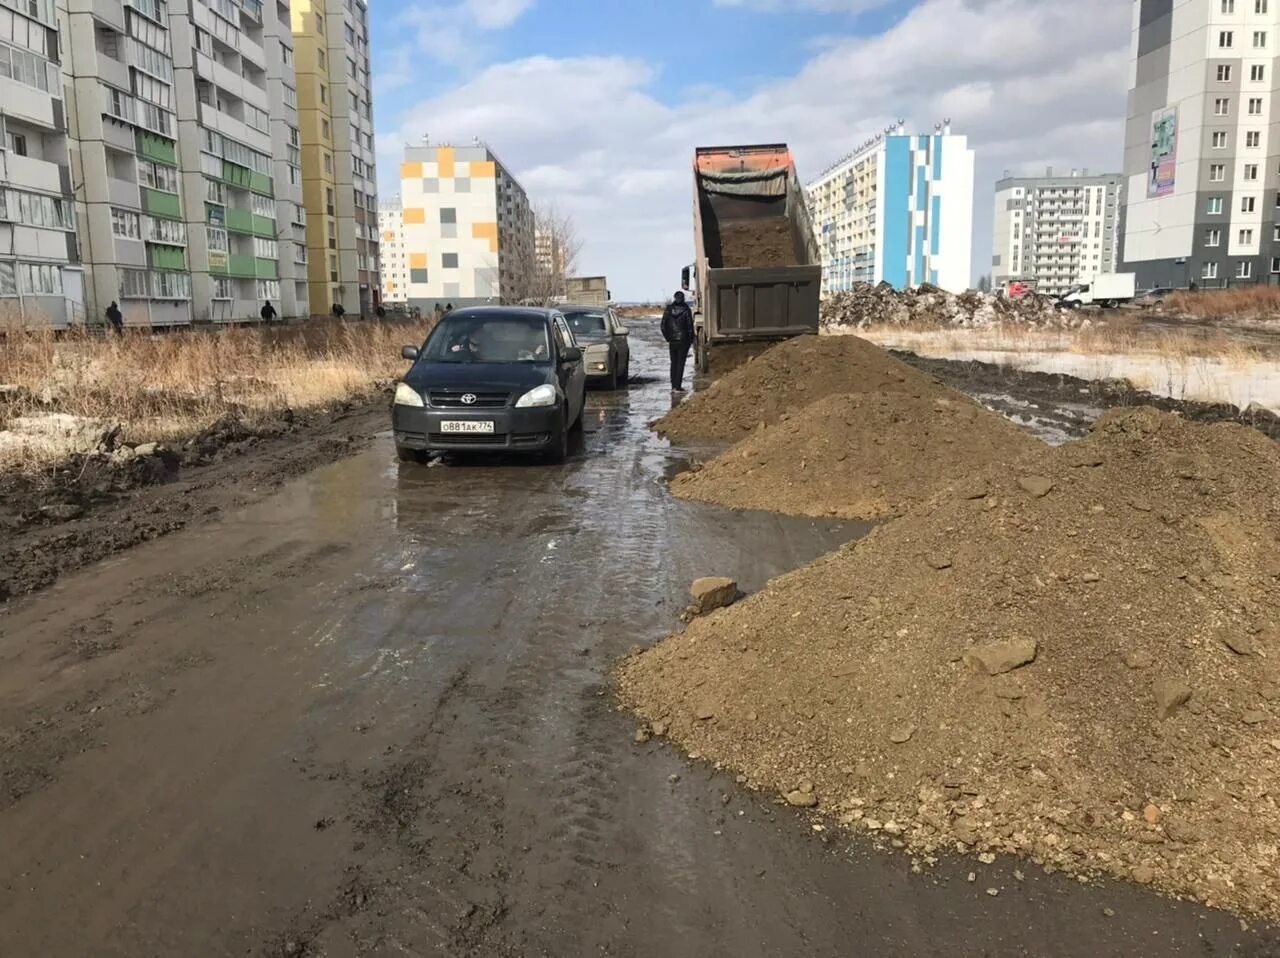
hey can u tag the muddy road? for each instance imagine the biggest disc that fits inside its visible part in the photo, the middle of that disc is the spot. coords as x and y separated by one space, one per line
372 715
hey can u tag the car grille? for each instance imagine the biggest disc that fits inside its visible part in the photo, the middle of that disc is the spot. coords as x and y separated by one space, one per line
452 399
465 439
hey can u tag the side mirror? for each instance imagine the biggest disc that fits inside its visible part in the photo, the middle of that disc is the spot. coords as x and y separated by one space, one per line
684 278
623 331
409 352
571 354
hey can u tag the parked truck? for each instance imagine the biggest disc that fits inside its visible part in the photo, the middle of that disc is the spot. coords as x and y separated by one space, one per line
1107 290
758 273
587 290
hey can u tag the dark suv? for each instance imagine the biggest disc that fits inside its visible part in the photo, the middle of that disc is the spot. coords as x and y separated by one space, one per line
496 379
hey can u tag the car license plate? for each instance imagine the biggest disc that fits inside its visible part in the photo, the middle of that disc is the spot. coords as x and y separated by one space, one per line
484 427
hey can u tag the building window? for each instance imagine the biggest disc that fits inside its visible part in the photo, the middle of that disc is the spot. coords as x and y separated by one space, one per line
1226 39
449 260
1255 106
1275 264
1215 206
1224 72
324 94
1259 39
1246 237
1248 204
134 284
1217 172
1222 106
1220 140
324 128
1244 270
328 163
16 143
222 288
125 224
1213 238
1257 73
1275 233
1259 6
1253 139
1210 271
1228 6
1251 171
448 215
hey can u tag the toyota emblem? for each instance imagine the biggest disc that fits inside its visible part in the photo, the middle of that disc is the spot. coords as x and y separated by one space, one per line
469 399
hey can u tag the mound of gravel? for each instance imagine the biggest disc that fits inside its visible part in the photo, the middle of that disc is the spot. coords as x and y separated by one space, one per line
857 457
790 375
1075 659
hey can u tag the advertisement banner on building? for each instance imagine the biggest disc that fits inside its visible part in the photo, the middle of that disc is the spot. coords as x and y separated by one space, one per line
1164 152
217 260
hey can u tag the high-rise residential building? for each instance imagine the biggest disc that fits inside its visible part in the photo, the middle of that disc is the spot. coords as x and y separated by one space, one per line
335 108
898 210
395 267
549 254
1202 154
1053 231
468 227
40 278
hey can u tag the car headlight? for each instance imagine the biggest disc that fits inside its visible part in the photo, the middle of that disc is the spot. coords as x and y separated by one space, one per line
544 395
406 395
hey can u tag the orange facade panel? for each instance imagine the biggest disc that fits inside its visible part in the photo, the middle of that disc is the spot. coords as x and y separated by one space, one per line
484 170
415 216
488 231
445 162
410 171
417 260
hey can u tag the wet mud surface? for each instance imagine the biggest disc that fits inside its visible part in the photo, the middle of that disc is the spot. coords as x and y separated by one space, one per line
1060 407
373 714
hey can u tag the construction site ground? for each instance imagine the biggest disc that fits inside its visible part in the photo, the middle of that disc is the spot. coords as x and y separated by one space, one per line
371 711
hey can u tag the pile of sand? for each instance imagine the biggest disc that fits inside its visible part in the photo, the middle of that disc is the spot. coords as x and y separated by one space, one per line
1076 659
789 376
857 457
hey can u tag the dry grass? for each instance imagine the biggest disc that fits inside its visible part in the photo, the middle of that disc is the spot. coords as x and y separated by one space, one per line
1248 303
168 387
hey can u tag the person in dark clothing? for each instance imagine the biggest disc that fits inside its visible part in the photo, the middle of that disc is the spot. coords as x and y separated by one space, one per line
448 309
381 311
268 312
338 311
677 330
115 318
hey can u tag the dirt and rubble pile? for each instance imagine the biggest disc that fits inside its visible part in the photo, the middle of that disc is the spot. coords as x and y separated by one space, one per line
1074 659
857 457
757 244
789 376
865 305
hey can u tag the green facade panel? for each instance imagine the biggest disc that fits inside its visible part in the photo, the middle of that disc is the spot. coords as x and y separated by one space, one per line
242 266
167 205
267 269
160 149
239 221
262 226
261 183
236 175
166 257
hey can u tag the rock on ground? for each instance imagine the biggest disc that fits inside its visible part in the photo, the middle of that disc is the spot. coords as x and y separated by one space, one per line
713 592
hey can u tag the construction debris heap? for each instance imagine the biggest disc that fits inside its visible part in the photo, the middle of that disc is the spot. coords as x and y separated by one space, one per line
866 305
1071 658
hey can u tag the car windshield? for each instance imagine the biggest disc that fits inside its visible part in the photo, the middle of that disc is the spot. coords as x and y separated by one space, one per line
489 338
587 323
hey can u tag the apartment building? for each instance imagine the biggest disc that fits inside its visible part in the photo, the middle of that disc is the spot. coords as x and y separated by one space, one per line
468 227
335 108
899 209
395 268
40 277
1052 231
1202 151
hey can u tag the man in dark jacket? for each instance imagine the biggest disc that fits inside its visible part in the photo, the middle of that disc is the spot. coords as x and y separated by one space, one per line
677 330
268 312
115 318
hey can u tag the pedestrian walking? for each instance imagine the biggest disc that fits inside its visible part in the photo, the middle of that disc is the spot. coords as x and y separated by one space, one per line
115 318
268 312
677 330
338 311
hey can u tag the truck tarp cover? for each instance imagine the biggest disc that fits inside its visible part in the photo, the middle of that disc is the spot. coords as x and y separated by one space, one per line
746 182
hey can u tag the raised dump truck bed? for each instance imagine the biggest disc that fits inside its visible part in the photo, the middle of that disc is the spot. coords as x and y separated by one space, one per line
758 274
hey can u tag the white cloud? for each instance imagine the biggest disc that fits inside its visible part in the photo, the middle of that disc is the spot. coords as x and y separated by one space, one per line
1032 82
452 33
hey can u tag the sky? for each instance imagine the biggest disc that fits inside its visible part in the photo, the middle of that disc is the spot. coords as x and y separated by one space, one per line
596 106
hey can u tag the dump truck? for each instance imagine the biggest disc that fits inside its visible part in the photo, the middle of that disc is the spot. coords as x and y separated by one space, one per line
758 273
587 290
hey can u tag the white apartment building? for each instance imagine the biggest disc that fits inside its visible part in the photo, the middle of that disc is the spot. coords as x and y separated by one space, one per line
1052 231
395 266
468 227
1202 150
899 210
40 277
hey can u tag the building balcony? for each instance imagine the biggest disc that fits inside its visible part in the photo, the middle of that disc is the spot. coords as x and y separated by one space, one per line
27 173
123 193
